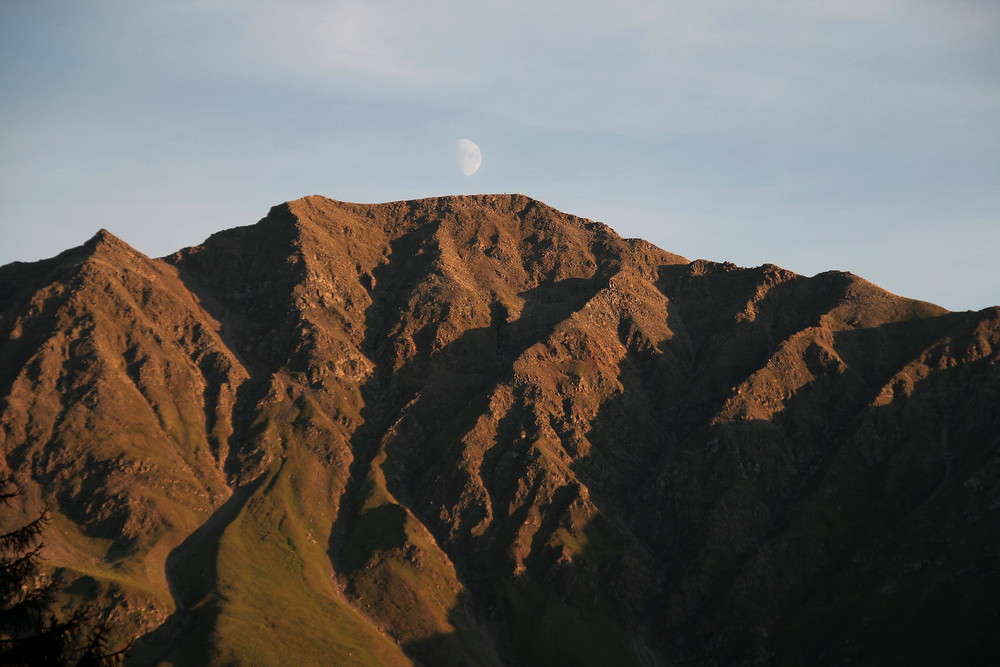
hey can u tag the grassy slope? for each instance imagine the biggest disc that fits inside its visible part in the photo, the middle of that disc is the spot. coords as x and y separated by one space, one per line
275 600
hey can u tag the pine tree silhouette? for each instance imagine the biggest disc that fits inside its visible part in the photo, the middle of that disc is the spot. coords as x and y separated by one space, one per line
29 633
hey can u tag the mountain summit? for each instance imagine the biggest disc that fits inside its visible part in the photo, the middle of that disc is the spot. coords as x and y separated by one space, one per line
476 430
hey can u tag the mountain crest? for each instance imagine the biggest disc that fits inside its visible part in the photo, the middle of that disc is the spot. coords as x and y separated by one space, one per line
478 430
106 243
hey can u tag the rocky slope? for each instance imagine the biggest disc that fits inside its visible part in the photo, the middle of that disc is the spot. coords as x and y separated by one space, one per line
476 430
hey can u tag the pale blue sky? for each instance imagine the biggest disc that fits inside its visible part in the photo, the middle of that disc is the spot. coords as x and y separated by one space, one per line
853 135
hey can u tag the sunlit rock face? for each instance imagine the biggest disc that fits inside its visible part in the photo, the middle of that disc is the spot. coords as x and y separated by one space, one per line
477 430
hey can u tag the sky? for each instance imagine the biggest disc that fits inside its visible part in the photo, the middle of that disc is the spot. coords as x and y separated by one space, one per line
857 135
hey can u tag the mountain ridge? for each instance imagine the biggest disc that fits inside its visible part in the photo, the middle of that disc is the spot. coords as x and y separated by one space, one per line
477 430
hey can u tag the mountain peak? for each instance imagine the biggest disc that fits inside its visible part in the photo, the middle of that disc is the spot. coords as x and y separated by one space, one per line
105 242
439 429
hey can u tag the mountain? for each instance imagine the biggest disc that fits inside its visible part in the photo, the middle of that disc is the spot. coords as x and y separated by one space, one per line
475 430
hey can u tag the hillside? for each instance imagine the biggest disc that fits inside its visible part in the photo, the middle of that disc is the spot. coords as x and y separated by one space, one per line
476 430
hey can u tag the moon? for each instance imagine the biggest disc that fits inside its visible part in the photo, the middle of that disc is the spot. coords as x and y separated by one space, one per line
469 157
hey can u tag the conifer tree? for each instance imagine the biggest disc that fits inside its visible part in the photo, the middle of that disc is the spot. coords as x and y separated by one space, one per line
29 633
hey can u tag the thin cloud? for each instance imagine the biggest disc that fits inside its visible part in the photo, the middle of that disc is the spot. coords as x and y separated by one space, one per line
742 116
647 67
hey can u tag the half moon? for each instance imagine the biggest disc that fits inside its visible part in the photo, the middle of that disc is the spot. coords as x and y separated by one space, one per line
469 157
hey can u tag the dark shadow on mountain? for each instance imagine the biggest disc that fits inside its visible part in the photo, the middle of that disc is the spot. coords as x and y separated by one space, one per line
419 398
707 308
558 612
457 374
579 601
192 577
379 401
244 279
729 499
470 645
379 528
729 489
879 555
447 382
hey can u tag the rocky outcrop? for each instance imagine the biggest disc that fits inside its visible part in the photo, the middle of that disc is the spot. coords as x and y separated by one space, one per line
476 430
